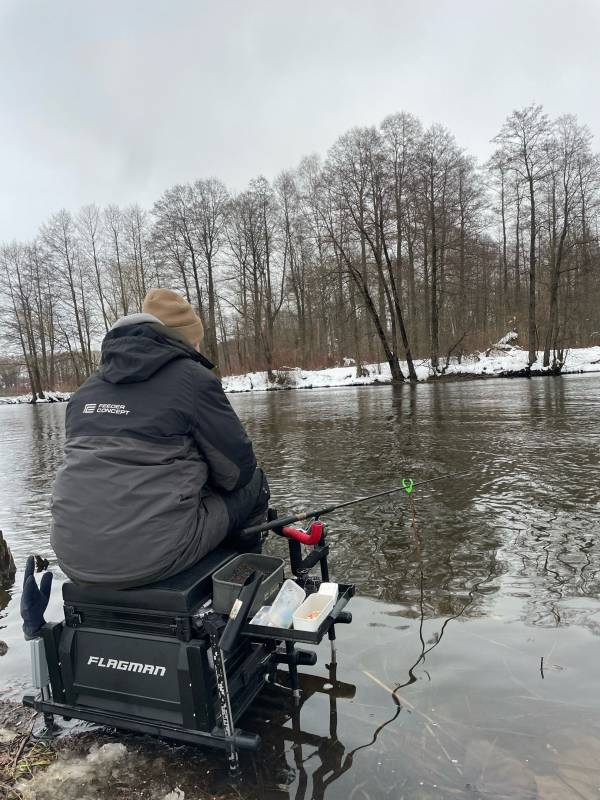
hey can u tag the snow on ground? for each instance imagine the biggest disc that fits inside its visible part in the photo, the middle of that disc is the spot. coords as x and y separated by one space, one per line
50 397
501 359
103 771
76 777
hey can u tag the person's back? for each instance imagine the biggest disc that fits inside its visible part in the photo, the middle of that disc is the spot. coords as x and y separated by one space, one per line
153 449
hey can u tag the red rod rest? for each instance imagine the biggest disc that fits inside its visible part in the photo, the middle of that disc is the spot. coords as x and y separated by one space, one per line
311 536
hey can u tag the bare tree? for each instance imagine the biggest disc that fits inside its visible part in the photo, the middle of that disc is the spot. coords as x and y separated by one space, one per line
59 237
397 246
115 230
569 149
523 141
92 242
439 158
210 201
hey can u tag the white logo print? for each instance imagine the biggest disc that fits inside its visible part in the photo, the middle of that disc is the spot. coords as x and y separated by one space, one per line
105 408
127 666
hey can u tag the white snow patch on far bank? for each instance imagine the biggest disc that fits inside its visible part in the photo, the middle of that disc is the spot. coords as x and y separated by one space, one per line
501 359
49 397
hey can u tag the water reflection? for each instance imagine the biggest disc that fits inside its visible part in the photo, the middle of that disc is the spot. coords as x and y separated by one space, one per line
316 760
470 668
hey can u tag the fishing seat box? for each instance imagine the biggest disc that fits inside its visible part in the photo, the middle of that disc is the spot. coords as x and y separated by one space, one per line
135 654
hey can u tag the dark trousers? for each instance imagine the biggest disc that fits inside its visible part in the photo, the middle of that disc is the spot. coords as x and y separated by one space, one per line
247 507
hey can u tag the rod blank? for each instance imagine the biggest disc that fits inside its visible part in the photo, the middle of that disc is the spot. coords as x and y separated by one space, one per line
304 515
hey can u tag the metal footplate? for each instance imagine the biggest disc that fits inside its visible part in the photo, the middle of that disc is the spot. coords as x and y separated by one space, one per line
215 738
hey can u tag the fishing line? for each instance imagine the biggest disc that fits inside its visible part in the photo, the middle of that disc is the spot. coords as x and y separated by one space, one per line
408 485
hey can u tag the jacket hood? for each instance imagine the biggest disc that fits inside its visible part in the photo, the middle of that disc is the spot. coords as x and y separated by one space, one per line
138 346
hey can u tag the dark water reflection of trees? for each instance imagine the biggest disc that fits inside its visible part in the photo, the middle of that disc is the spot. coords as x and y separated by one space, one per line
525 514
479 581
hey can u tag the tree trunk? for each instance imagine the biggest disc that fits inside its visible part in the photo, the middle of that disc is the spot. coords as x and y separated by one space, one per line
434 291
212 322
531 326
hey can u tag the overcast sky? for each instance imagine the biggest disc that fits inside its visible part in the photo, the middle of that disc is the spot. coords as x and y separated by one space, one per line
115 100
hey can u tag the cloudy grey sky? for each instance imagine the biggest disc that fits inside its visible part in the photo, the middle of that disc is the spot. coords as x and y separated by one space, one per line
115 100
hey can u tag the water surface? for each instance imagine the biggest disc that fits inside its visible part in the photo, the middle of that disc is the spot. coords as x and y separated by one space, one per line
471 668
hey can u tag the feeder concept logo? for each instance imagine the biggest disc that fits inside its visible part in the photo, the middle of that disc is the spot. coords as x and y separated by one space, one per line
127 666
105 408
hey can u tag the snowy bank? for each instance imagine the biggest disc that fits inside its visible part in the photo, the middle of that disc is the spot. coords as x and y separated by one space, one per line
49 397
501 360
89 764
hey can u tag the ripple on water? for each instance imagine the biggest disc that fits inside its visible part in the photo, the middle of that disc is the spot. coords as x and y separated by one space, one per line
470 668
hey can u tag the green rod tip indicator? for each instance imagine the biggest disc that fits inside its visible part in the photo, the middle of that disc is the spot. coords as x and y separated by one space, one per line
407 485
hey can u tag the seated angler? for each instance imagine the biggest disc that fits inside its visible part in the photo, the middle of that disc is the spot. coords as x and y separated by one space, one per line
158 469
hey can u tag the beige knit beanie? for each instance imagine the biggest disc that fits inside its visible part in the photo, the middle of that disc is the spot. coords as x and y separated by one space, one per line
175 312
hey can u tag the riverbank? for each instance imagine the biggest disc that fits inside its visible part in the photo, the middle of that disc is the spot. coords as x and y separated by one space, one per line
97 763
49 397
500 361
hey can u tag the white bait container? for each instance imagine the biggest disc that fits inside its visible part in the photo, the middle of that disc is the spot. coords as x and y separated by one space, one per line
287 601
313 611
262 616
330 589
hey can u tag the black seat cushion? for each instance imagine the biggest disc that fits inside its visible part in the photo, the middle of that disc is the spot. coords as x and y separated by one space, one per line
179 594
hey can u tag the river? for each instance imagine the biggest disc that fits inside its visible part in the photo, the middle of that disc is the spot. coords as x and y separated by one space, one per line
471 667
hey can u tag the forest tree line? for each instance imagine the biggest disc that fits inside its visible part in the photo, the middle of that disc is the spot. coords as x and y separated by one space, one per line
397 246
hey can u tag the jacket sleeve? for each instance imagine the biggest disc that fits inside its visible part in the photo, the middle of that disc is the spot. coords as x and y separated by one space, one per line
221 437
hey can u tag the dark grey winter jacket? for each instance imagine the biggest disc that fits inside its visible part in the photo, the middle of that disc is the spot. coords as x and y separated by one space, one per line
151 440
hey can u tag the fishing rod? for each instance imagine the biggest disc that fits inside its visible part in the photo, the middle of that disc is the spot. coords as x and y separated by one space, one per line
407 486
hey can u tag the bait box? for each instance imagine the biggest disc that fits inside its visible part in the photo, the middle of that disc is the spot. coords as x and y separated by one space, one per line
226 591
313 611
261 633
330 590
289 599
